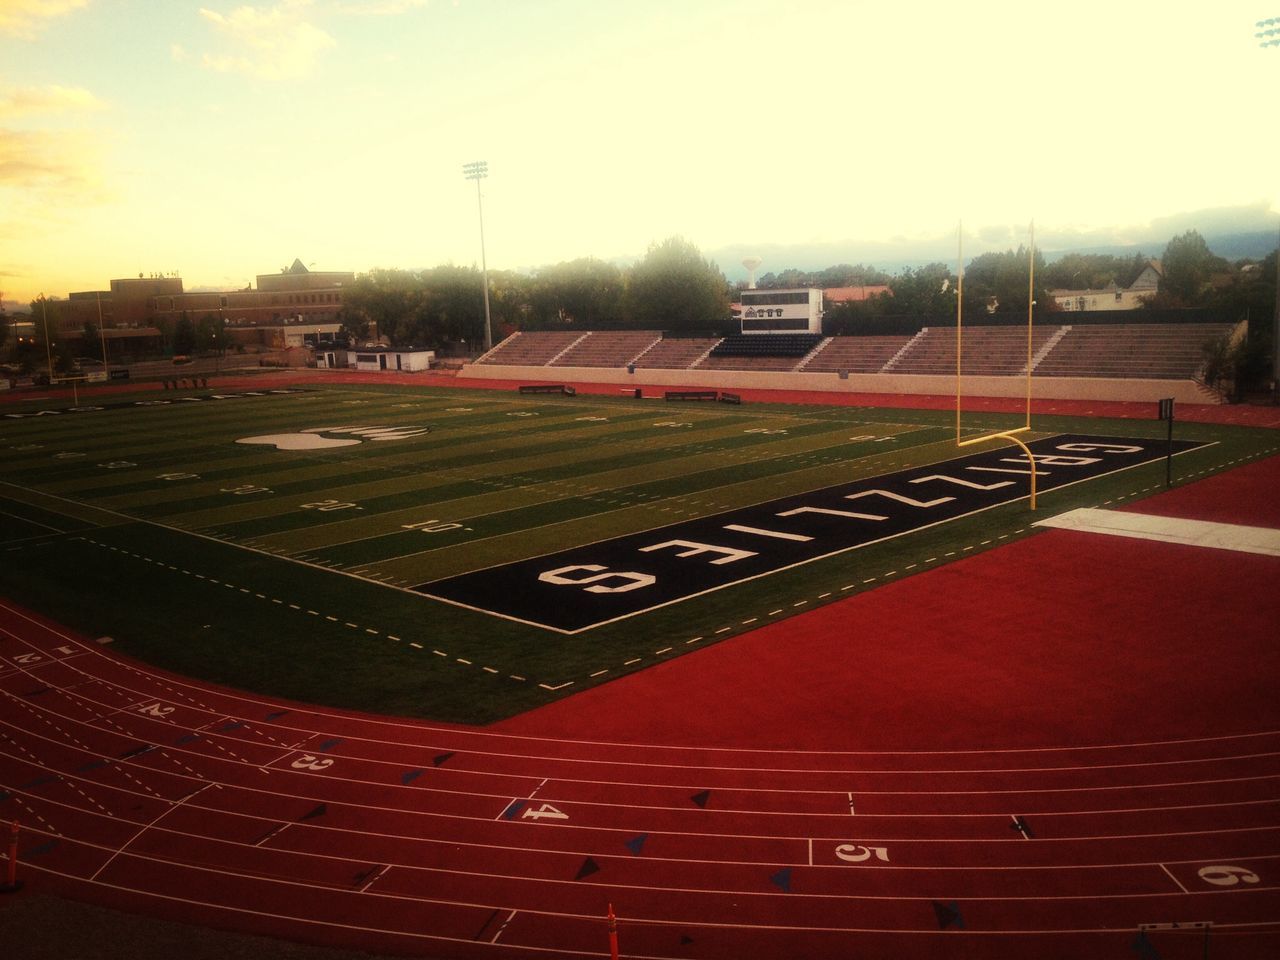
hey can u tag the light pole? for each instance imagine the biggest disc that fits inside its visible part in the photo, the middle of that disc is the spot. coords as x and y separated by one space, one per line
477 171
1268 35
48 352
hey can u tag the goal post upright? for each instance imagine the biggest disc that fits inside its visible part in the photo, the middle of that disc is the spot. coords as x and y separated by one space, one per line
1010 435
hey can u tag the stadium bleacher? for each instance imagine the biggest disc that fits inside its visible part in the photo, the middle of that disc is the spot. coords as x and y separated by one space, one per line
856 354
1133 350
607 348
1172 351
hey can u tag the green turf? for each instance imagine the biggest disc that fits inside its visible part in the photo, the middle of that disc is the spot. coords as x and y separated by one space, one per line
284 572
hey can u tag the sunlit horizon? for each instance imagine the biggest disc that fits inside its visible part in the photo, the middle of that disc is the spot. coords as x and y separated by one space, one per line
221 142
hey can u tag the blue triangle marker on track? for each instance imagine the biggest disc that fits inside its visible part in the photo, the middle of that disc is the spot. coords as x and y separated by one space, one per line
512 809
329 744
948 915
441 758
588 867
701 798
40 781
277 715
319 811
636 844
1144 947
782 879
41 850
185 739
409 776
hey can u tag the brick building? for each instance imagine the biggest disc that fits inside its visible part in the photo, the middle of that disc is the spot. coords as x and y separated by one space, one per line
286 309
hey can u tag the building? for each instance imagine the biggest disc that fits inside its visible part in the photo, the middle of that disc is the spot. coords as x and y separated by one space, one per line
291 308
1113 297
390 358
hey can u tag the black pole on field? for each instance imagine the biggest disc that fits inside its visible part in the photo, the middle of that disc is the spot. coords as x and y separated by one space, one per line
1166 414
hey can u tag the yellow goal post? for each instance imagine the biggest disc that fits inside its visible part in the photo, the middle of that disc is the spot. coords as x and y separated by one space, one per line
1011 434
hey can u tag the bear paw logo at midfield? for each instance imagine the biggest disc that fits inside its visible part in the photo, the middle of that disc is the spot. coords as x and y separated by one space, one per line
316 439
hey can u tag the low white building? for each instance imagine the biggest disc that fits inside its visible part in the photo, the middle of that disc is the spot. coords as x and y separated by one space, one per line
392 358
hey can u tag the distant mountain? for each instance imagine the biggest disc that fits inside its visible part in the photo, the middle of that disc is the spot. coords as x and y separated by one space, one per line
1234 233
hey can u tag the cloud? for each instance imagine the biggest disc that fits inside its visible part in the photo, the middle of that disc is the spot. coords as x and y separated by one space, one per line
22 18
379 8
24 101
271 43
48 160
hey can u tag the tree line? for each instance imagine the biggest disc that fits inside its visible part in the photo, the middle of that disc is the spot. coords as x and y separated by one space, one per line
674 288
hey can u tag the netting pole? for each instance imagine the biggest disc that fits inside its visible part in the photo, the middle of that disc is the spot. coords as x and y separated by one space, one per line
959 314
11 878
613 934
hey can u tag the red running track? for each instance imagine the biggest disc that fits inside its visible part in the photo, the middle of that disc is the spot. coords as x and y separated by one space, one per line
1029 752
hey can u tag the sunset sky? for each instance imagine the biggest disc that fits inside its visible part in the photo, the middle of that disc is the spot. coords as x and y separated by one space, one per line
223 140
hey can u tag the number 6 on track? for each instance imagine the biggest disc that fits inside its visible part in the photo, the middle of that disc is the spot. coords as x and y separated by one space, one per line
1224 876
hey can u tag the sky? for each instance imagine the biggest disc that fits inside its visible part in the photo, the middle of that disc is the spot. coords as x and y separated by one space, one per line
223 140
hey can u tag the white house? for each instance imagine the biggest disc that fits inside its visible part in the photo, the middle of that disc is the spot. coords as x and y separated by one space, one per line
1113 297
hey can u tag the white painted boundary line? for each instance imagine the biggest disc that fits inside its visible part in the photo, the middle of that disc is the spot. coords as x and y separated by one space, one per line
1192 533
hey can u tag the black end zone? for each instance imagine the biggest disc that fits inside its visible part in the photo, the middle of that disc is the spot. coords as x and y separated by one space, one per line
592 584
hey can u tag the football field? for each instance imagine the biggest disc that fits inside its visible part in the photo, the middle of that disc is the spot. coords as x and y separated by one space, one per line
466 555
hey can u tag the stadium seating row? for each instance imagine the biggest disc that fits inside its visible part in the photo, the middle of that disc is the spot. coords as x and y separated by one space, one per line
1136 350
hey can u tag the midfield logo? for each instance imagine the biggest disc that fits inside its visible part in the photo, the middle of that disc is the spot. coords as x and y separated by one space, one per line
315 439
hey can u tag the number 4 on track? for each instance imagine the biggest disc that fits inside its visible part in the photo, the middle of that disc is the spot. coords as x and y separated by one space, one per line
545 812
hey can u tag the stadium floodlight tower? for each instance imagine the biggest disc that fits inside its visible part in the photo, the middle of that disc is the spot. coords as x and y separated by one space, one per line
751 263
477 171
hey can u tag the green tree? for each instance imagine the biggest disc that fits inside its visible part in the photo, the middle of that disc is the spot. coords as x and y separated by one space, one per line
848 275
586 293
929 292
1188 264
382 303
675 288
211 333
998 282
1092 271
451 309
354 321
184 336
